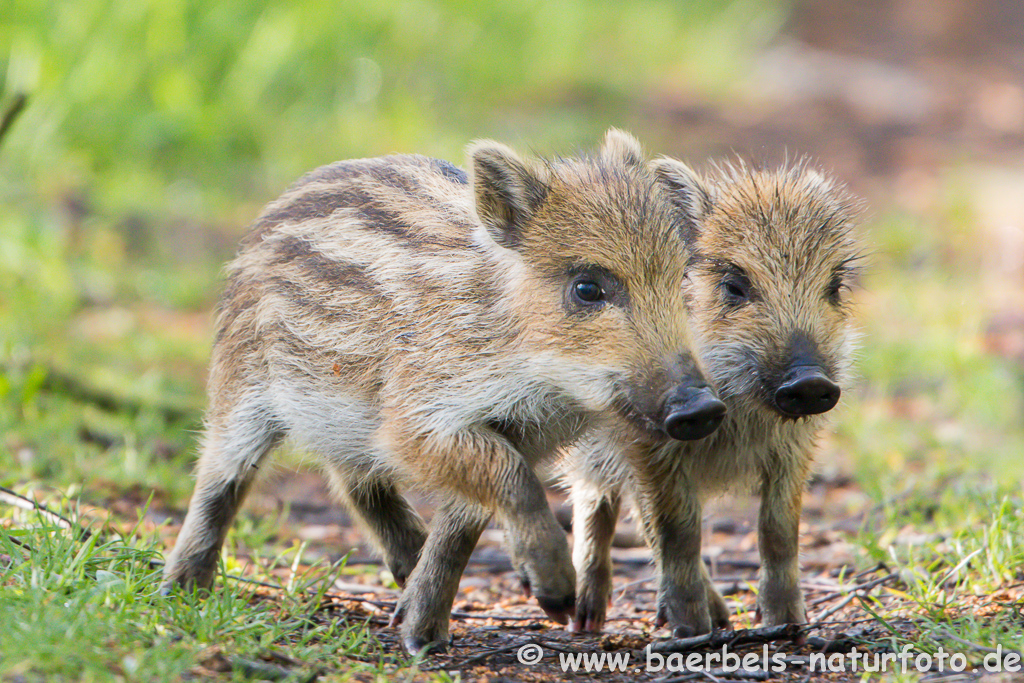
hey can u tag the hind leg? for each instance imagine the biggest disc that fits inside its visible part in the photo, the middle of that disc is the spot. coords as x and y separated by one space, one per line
595 511
392 525
716 603
234 446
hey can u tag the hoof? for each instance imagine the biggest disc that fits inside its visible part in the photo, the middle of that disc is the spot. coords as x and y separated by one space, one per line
558 609
420 646
684 632
586 623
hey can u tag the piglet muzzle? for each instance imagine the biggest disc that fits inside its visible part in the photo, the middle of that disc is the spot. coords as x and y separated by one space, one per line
805 390
692 413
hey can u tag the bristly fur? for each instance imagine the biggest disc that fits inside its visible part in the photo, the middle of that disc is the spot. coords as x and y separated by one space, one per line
788 237
792 232
410 324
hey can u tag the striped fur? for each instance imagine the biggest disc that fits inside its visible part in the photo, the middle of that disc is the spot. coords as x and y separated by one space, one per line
412 326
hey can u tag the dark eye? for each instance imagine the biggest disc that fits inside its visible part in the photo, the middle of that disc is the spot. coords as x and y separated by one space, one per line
587 291
735 291
834 291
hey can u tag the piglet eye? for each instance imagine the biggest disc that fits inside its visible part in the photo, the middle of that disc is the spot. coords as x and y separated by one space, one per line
735 291
834 290
587 291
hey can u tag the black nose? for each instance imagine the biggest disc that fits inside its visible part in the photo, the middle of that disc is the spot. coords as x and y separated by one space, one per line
806 391
693 414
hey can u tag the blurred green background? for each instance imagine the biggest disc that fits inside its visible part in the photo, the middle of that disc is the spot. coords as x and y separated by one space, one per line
154 130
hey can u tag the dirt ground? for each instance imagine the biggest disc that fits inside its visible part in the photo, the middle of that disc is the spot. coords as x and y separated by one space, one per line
492 618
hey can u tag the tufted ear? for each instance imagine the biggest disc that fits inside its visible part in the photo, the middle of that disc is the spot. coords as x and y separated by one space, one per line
817 180
621 147
507 190
686 190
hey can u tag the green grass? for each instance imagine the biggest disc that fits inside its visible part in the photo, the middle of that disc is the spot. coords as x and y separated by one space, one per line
959 558
90 610
136 365
934 436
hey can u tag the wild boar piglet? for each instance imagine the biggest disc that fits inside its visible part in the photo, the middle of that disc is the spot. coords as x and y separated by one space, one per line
411 326
771 259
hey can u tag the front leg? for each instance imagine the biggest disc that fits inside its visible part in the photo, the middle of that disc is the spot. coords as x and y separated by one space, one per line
682 593
690 606
481 466
780 600
425 606
670 510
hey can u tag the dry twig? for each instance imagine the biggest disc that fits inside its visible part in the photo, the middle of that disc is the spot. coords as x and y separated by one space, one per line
719 638
25 503
856 589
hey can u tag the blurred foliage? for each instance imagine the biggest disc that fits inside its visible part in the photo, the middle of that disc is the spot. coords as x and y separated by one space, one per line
188 106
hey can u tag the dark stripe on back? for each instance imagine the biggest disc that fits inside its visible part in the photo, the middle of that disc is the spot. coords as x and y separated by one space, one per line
316 266
450 171
322 203
339 170
306 300
315 204
390 176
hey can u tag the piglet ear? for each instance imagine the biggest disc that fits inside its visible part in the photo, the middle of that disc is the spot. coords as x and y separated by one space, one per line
507 190
686 190
622 148
816 180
